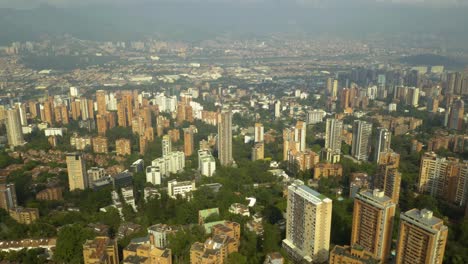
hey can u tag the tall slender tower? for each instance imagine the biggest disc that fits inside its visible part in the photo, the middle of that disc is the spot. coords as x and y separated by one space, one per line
372 223
84 108
101 102
225 138
421 239
388 179
189 145
300 135
76 167
7 195
14 132
308 224
258 132
362 131
334 129
166 145
382 142
456 115
277 109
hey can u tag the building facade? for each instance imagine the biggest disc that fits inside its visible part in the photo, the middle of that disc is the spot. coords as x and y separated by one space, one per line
422 238
76 167
225 138
308 223
372 223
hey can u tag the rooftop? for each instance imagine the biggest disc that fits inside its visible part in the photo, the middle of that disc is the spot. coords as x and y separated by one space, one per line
422 217
208 212
308 193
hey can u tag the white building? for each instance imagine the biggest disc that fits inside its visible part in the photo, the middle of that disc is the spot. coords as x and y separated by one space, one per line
111 102
74 92
128 196
175 188
166 104
278 109
166 145
173 162
95 173
197 110
153 175
54 131
239 209
315 116
206 163
392 107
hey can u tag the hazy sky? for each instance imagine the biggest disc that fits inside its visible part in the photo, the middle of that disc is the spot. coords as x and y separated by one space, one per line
66 3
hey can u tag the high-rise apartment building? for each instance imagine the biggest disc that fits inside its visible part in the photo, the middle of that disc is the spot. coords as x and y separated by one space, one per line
225 138
382 142
300 131
22 113
362 131
389 157
315 116
100 145
85 109
258 131
445 178
277 109
334 91
13 125
456 115
258 151
122 114
333 131
308 224
294 140
166 145
388 179
101 250
433 173
101 123
372 223
189 144
76 167
48 112
7 196
123 147
288 143
206 163
422 238
101 102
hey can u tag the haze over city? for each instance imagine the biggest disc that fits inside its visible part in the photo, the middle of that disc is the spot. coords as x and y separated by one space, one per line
233 132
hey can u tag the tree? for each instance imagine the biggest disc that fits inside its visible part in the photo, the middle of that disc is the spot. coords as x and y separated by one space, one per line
69 244
271 239
236 258
272 214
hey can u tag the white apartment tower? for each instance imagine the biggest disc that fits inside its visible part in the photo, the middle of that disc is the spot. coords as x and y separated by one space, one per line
13 125
225 138
362 132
